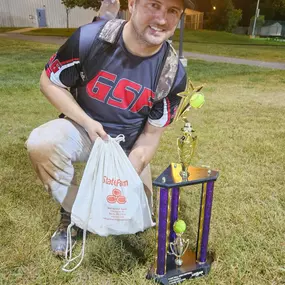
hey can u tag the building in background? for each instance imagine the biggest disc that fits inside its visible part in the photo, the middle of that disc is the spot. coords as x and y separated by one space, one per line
268 29
194 19
42 13
276 30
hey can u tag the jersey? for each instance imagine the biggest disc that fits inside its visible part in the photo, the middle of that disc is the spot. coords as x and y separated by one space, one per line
121 95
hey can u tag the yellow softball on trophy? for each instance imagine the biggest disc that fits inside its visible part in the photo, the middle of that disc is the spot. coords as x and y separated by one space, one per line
179 227
197 100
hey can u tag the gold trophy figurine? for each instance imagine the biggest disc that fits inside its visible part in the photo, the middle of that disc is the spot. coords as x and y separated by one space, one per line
186 147
186 144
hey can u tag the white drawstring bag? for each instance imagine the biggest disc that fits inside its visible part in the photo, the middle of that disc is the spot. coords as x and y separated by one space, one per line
110 199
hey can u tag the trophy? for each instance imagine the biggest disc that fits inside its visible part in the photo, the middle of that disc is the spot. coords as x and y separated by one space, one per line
179 246
175 261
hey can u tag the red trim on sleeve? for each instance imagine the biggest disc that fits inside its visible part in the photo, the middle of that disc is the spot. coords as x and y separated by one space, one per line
168 112
68 61
54 64
52 58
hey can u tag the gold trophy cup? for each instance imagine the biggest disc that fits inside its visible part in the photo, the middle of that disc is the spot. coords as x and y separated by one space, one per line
179 246
186 144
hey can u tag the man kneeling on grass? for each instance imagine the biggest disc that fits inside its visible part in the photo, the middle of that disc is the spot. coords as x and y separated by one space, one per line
118 99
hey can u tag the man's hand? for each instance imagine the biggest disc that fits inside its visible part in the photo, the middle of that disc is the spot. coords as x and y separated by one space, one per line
95 130
109 9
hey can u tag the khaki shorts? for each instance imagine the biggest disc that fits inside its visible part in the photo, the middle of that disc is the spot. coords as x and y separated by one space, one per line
53 149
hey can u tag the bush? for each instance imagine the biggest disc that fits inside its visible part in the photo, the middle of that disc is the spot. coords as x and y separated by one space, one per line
233 18
225 18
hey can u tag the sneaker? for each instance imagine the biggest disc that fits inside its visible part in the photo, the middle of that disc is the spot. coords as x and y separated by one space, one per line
59 238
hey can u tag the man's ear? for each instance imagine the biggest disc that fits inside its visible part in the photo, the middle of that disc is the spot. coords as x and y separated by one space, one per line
131 5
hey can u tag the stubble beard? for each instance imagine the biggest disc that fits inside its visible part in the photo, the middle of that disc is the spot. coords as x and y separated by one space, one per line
140 37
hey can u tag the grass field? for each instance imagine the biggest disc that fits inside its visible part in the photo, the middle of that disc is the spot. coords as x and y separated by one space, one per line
60 32
9 29
241 132
232 45
211 42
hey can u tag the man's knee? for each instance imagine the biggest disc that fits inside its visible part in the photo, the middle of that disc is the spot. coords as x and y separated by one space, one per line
37 145
49 159
47 138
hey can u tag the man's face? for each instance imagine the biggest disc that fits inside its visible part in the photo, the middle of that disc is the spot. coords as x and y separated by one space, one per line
155 20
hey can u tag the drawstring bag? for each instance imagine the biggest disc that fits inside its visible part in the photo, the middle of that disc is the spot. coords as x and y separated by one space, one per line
111 199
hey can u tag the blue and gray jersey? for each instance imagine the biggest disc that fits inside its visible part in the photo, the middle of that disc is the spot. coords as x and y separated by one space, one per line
121 95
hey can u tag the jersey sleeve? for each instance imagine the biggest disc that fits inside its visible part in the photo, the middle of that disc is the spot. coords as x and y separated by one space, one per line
163 112
62 66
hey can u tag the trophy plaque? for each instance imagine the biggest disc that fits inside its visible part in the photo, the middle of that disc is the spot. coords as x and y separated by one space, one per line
174 261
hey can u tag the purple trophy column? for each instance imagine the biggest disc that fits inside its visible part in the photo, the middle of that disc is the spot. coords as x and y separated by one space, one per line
162 228
174 212
207 219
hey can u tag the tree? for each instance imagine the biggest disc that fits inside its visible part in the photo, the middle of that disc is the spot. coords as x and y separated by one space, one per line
90 4
225 17
248 10
233 18
279 5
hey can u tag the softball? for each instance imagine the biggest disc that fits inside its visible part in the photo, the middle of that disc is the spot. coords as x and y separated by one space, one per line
197 100
179 227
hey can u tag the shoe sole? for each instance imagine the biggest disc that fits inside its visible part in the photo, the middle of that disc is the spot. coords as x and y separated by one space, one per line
62 253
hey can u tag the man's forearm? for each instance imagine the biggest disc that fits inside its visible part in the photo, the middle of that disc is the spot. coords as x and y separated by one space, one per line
140 156
63 101
145 147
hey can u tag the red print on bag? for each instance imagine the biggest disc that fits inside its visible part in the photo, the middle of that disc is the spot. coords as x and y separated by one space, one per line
116 197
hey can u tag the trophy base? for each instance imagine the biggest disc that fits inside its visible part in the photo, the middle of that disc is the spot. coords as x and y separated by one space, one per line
190 269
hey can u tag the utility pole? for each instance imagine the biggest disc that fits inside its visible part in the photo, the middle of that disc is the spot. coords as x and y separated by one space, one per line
181 57
255 18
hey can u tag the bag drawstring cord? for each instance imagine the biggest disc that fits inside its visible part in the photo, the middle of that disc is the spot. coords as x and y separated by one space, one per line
69 246
69 241
119 138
